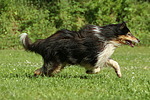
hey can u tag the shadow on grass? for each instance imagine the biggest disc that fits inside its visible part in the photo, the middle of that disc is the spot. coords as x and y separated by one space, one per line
31 76
73 76
11 75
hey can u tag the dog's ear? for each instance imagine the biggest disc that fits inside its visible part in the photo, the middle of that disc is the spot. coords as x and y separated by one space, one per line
123 24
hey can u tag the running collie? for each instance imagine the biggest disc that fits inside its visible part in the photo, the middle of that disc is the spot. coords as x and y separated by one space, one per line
90 47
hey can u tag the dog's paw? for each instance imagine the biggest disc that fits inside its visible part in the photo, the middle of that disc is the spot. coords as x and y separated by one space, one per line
119 75
89 72
38 72
94 71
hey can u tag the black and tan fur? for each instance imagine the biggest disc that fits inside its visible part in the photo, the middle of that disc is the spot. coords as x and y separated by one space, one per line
90 47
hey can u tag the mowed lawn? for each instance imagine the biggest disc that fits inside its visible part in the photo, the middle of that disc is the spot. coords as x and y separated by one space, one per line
17 81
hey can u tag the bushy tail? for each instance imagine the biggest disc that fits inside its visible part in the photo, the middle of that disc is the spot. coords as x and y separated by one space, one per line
26 42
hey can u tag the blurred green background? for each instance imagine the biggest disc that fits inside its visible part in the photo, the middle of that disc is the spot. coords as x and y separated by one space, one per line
41 18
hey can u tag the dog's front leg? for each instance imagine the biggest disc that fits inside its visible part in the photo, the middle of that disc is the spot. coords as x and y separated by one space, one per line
93 70
115 65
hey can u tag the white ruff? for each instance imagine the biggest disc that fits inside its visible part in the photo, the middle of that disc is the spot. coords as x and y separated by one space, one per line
105 54
96 29
22 38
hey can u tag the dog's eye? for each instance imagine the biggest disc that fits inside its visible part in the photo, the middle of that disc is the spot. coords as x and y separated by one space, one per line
129 34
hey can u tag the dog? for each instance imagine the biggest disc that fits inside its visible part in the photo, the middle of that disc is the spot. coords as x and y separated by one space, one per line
91 47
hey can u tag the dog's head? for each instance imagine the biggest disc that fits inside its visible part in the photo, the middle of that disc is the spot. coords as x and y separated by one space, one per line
124 36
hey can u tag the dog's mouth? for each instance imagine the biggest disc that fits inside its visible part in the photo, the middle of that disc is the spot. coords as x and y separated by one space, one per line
130 43
128 40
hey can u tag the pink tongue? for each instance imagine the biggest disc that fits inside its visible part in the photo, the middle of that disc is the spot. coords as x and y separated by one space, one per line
131 44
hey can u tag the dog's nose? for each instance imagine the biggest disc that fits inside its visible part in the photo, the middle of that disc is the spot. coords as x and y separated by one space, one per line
138 40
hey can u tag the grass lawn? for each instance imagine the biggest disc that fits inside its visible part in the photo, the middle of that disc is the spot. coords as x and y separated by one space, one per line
17 81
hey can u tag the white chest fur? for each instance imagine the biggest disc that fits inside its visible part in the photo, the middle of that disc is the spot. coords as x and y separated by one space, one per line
104 55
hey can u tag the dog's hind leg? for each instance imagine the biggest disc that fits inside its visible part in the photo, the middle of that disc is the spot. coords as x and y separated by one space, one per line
115 65
49 69
42 71
56 68
38 72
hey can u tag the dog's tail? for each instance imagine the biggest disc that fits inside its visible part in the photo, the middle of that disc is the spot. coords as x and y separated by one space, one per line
27 44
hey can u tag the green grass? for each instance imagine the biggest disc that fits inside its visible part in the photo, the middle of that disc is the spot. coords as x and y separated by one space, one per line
17 81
